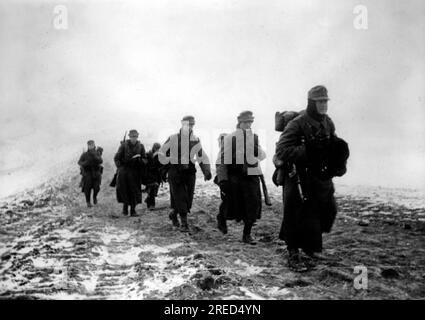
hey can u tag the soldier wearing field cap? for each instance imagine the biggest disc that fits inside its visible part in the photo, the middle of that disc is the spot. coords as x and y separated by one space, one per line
309 207
152 178
238 174
91 171
130 160
179 153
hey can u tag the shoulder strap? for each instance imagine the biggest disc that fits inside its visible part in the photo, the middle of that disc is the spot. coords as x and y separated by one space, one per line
139 147
306 128
332 126
255 145
125 147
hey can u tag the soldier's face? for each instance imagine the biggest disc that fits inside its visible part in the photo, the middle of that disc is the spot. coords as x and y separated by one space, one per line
322 106
186 126
91 146
133 139
245 125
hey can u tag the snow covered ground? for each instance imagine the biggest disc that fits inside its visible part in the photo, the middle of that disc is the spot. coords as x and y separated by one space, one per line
53 247
409 198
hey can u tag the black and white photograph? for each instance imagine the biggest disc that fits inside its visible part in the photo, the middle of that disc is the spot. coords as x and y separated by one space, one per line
218 150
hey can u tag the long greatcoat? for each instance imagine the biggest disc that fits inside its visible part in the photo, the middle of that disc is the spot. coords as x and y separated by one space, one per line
152 177
90 162
305 221
129 173
243 195
182 151
152 170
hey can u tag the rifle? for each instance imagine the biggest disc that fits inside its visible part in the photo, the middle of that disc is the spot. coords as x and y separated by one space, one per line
265 191
114 179
298 180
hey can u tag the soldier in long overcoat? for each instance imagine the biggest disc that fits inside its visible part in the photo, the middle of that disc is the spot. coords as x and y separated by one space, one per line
152 176
91 170
309 206
220 178
130 160
238 177
179 153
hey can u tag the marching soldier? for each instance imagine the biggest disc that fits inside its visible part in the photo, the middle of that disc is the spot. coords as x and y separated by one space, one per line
221 172
152 178
238 174
309 207
130 160
179 153
91 170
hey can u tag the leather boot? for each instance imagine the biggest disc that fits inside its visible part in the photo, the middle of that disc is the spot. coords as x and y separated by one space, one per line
95 197
133 211
294 261
87 195
246 238
173 217
222 224
152 204
125 209
184 227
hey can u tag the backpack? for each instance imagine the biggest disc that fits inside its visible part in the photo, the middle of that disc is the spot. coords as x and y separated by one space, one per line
281 119
338 152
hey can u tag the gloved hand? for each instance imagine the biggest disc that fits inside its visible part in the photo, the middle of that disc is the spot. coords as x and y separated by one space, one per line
207 176
334 172
277 162
164 174
224 188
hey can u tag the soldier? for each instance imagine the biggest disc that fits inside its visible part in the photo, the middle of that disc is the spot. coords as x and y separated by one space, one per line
91 170
238 176
152 178
179 153
130 160
309 207
221 171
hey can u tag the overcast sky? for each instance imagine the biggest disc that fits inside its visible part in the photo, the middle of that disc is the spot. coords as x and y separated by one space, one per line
145 64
